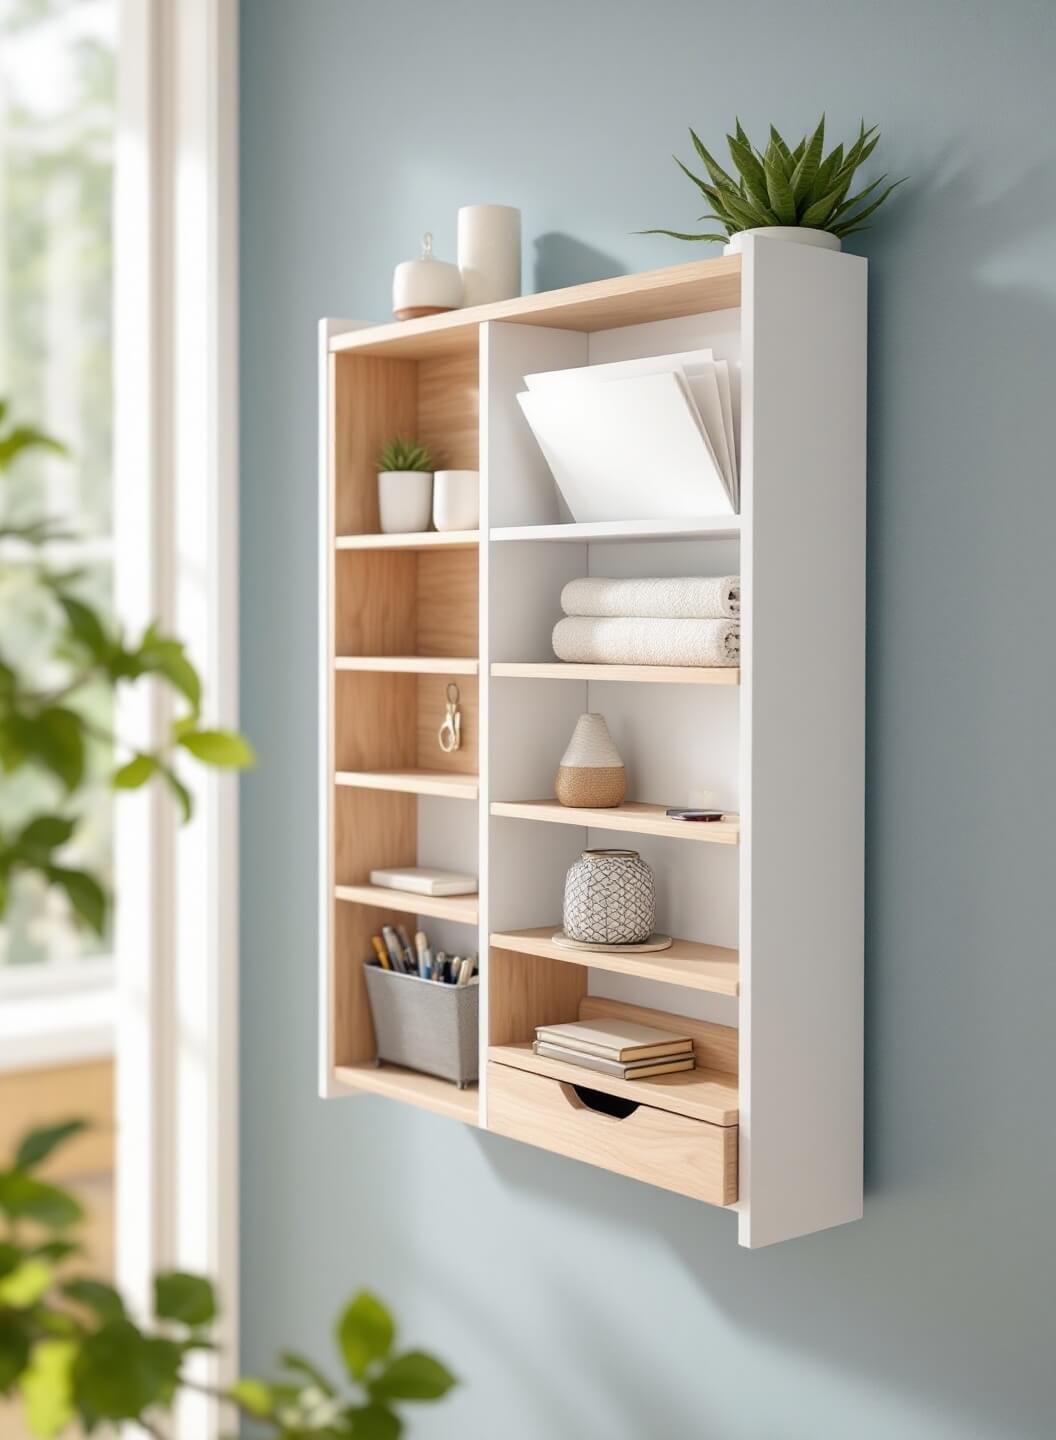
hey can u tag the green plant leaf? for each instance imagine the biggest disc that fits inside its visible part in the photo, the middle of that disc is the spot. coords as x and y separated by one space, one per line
38 1145
413 1376
749 166
14 1350
777 146
779 190
403 454
26 1284
87 626
827 171
183 796
84 893
190 1299
821 210
253 1396
719 177
24 1197
103 1300
11 1256
224 748
160 656
854 222
26 437
56 1250
705 189
119 1372
807 166
44 834
300 1365
54 737
365 1333
680 235
374 1422
134 772
47 1387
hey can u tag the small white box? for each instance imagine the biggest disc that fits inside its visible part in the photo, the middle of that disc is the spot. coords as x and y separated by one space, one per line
421 880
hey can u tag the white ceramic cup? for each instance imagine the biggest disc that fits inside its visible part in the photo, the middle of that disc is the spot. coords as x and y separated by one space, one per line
405 500
489 253
456 499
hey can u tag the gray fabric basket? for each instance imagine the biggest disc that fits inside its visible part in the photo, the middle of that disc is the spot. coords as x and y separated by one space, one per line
425 1025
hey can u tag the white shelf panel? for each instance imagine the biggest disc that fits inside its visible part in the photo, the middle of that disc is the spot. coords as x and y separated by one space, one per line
412 782
410 664
419 540
714 527
630 674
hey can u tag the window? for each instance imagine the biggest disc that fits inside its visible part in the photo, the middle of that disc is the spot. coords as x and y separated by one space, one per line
57 102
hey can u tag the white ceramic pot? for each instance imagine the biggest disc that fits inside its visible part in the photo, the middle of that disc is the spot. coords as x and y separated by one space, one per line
425 287
456 499
798 234
405 500
489 253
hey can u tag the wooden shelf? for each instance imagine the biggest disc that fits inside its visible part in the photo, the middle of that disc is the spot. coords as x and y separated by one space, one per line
624 674
421 540
709 1095
410 664
688 962
636 818
463 908
414 1088
413 782
713 527
692 289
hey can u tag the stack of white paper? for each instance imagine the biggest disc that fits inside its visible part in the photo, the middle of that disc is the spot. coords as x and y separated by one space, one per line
639 439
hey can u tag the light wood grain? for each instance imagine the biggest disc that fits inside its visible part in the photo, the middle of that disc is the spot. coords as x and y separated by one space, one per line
431 709
449 409
45 1096
413 1088
631 816
445 602
715 1046
462 908
373 829
410 664
374 602
688 962
709 1095
529 990
652 1145
374 721
628 674
373 398
424 540
413 782
693 289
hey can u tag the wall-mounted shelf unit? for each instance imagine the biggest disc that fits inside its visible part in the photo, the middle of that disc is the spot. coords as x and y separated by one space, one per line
766 974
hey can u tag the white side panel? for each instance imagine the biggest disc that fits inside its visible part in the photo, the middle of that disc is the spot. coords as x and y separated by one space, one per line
803 717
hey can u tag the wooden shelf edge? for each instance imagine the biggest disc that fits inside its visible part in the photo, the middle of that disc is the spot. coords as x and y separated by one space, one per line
420 540
410 664
630 818
412 782
411 1087
463 909
691 964
627 674
708 1095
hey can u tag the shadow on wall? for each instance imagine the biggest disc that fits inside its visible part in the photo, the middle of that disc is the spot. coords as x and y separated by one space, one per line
562 260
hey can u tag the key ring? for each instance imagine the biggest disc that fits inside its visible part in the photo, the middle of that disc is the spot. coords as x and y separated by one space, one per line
450 736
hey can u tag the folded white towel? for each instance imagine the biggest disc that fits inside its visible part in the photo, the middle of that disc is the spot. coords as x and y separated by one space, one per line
590 640
705 597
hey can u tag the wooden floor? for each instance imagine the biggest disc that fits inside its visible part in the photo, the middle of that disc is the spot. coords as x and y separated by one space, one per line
38 1097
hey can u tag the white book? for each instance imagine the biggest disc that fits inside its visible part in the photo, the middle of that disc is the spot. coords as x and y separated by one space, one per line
421 880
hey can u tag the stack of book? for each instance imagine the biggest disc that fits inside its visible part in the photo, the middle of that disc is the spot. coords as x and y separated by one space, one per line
616 1047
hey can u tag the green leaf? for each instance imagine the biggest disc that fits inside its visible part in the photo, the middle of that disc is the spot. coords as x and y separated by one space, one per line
820 211
14 1350
38 1145
47 1387
45 833
413 1376
53 737
98 1297
365 1333
160 656
854 222
225 748
705 189
374 1422
26 437
778 146
807 166
190 1299
120 1372
84 893
719 178
680 235
11 1256
751 170
827 172
300 1365
253 1396
56 1250
134 773
24 1197
25 1285
87 626
779 190
178 788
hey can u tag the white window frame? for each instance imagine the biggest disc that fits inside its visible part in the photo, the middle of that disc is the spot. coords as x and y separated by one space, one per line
176 528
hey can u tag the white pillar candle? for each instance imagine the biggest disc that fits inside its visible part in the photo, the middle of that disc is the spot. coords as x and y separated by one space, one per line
426 286
489 253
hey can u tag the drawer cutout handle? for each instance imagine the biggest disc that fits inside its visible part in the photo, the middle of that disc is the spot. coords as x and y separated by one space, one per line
615 1107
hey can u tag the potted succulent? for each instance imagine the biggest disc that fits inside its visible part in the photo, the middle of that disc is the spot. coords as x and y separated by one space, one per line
405 486
791 193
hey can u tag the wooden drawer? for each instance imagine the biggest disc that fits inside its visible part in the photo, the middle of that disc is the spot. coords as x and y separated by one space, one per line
661 1148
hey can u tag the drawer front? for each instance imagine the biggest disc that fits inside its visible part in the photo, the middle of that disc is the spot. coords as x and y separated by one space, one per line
656 1146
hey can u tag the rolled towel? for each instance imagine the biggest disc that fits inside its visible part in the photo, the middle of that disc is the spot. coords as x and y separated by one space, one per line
593 640
693 597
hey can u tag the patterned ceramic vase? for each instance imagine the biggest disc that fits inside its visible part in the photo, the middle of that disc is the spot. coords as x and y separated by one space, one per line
610 898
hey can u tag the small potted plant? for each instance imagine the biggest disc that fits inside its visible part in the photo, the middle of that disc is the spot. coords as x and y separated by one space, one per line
789 193
405 486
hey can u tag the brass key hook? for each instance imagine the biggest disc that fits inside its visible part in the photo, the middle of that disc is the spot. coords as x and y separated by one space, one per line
450 736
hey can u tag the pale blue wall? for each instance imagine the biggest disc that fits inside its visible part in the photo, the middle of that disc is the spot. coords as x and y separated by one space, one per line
577 1304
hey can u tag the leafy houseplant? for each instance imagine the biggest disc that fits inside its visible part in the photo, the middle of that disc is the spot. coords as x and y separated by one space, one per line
801 193
72 1352
55 707
405 486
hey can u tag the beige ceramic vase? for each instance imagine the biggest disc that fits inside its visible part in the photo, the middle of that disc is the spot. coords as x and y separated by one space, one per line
591 774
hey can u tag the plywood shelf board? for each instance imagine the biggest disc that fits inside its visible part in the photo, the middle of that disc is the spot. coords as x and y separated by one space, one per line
618 674
716 527
632 817
461 908
693 289
414 782
688 963
410 664
423 540
413 1088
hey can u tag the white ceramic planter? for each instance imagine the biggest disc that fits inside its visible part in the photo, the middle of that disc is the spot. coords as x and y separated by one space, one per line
489 253
797 234
405 500
456 499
